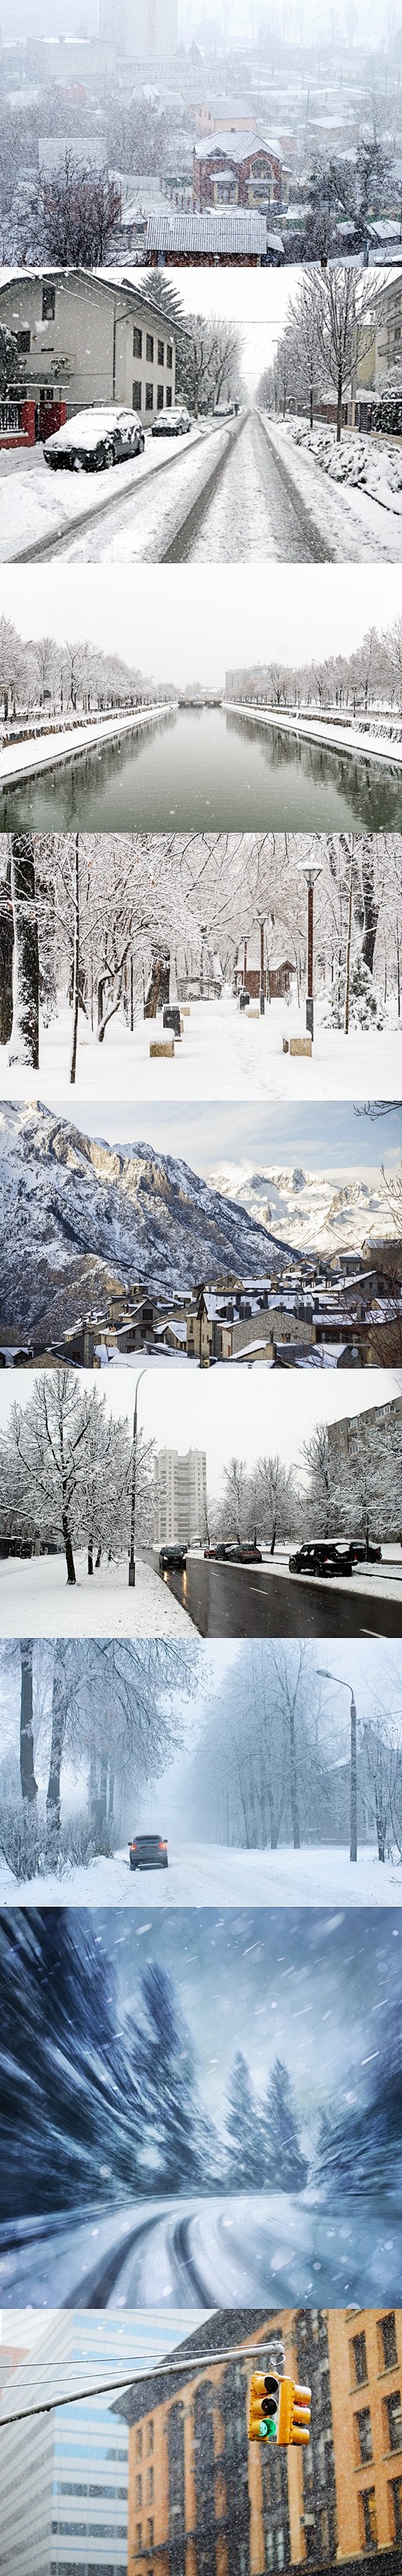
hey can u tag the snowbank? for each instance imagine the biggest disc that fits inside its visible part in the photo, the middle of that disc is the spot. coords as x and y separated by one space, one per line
25 759
223 1056
325 729
353 491
36 1600
120 516
207 1874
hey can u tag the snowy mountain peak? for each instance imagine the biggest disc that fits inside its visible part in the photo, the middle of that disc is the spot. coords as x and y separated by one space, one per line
79 1215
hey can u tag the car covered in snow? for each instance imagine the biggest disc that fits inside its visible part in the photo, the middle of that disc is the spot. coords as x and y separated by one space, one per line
171 1555
148 1851
172 424
95 439
321 1556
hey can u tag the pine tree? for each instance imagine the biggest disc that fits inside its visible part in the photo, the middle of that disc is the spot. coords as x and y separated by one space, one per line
247 2168
176 2122
280 2124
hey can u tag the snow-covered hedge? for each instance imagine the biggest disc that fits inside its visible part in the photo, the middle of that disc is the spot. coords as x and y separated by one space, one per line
365 1010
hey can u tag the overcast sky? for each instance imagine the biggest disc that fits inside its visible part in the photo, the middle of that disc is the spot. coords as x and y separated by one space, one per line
326 1138
175 623
257 299
259 1414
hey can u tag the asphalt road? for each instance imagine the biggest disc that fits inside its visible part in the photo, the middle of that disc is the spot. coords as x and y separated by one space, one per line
236 2249
253 1601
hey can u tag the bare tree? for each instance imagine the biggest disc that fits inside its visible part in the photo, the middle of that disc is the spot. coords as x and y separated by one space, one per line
79 208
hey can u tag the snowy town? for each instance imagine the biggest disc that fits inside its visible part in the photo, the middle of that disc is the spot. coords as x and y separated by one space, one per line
160 136
100 1520
222 428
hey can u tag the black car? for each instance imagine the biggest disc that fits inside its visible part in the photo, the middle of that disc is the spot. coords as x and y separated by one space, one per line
172 1555
148 1851
321 1557
365 1554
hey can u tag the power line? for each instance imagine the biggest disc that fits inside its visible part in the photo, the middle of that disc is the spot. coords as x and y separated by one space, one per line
161 2370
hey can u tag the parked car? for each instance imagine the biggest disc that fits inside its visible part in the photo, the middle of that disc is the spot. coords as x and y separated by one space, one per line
230 1554
172 424
321 1557
362 1554
172 1555
147 1851
95 439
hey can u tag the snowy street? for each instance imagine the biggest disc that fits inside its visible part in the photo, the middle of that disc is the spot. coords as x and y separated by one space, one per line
103 514
224 1054
266 1601
208 1874
239 2248
37 1590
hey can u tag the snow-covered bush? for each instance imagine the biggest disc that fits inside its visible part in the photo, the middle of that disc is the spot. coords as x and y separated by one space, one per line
21 1838
365 1010
81 1840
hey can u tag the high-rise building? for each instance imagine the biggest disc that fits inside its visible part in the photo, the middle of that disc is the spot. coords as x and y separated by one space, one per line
63 2475
180 1496
146 29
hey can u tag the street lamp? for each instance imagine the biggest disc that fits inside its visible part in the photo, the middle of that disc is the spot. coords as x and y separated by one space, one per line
261 921
310 870
341 1685
131 1562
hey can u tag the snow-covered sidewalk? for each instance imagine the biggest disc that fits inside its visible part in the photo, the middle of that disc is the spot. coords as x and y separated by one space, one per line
224 1055
352 493
37 505
37 1601
337 737
209 1874
24 759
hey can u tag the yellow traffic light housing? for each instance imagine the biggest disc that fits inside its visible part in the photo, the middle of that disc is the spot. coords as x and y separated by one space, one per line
294 2412
279 2410
264 2404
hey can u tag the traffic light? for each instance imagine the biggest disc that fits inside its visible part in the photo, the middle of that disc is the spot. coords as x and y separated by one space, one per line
294 2412
279 2410
264 2402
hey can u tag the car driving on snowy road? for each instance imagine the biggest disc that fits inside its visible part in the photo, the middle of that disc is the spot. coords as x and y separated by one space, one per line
172 424
95 439
147 1851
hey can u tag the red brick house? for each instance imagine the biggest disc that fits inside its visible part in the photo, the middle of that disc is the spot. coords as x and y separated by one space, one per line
238 170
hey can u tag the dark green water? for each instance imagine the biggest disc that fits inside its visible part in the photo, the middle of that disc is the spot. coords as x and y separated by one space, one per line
209 770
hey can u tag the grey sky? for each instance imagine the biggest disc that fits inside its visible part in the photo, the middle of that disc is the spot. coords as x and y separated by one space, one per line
258 1414
180 624
328 1138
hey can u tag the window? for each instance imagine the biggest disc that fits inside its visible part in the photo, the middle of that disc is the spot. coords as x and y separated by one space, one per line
150 2434
396 2495
169 355
394 2413
149 397
161 353
137 394
159 398
139 2535
150 348
23 343
150 2485
363 2422
138 2491
150 2533
358 2348
138 2442
369 2517
280 2547
388 2340
137 342
168 397
48 303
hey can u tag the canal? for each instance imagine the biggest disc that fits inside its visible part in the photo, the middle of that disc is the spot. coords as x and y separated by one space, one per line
208 770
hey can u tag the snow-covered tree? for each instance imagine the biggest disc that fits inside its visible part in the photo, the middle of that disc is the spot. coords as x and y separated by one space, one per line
247 2169
286 2168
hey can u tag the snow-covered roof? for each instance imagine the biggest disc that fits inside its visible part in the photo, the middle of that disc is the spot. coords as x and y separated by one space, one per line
241 231
249 1351
236 147
84 151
